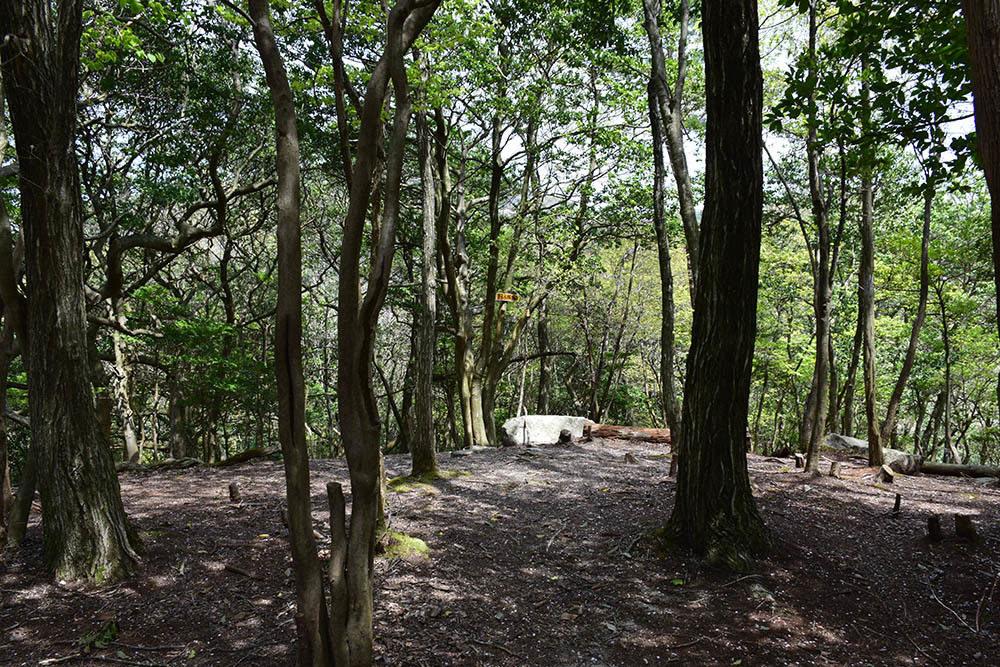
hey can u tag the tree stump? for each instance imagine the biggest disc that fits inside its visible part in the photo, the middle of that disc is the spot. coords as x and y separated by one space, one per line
886 474
934 528
587 437
234 492
964 527
895 508
565 437
835 469
800 460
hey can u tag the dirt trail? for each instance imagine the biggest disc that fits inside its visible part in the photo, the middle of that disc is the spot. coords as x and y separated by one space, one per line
539 557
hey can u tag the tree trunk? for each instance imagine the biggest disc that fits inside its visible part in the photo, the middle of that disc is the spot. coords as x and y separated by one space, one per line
715 513
309 590
847 393
422 440
982 21
358 317
86 533
544 374
918 322
668 396
866 293
671 116
822 292
946 338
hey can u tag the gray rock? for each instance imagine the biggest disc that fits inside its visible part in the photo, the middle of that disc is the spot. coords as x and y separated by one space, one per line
901 462
540 429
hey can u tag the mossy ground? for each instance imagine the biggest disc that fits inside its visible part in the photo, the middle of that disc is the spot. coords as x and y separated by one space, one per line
401 545
407 483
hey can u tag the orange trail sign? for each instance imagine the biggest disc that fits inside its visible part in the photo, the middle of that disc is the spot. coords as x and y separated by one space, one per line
504 296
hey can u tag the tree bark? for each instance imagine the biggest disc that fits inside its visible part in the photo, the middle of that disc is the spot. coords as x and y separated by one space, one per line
422 440
309 590
982 21
86 533
715 513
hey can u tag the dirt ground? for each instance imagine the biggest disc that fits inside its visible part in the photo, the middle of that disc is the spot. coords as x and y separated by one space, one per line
538 557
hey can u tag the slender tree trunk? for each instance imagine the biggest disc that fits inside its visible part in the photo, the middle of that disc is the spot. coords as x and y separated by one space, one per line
671 116
918 322
309 590
669 403
982 21
544 374
866 294
422 441
847 393
946 339
822 293
715 513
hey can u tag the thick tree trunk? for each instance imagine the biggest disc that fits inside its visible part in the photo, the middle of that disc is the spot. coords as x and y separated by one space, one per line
86 533
422 440
982 21
715 513
309 590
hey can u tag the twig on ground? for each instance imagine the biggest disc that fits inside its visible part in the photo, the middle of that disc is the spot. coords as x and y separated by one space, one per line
906 618
554 536
134 647
953 612
979 608
239 570
498 647
739 579
672 647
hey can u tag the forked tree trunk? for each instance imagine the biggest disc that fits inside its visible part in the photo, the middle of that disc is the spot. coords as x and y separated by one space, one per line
86 533
715 513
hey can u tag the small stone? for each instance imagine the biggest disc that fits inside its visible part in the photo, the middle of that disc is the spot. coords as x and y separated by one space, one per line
434 611
629 458
461 452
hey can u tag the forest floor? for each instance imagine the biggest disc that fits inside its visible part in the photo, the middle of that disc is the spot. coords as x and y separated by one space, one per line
538 557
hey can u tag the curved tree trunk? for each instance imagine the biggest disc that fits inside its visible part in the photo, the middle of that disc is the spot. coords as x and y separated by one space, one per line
715 513
310 597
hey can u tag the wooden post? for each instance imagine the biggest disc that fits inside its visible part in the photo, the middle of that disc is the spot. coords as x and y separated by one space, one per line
835 469
934 528
964 527
895 508
800 460
586 433
234 492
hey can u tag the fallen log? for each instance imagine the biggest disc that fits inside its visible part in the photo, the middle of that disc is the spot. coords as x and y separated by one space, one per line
246 455
655 435
959 469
